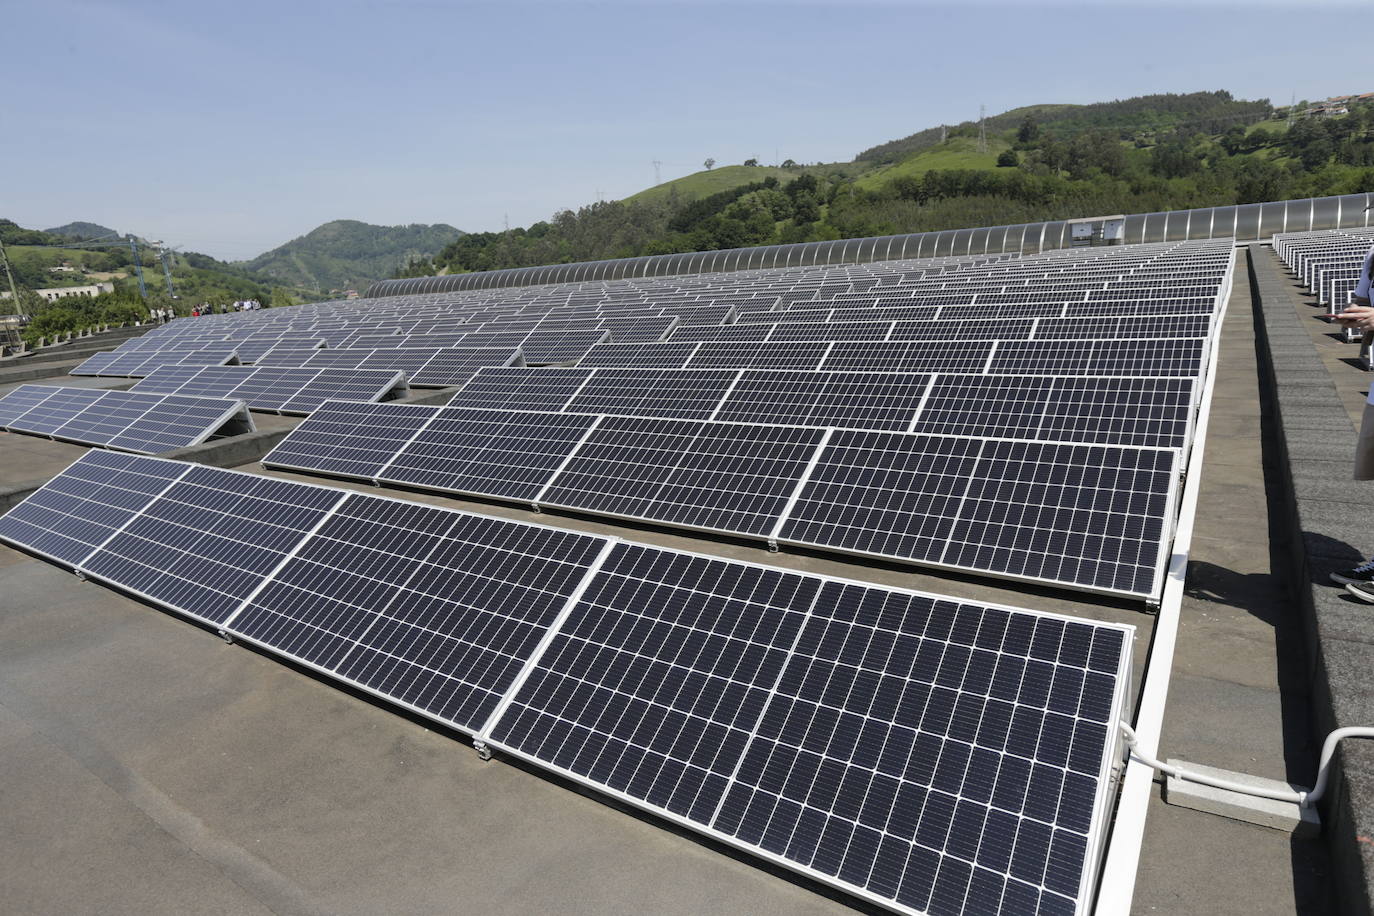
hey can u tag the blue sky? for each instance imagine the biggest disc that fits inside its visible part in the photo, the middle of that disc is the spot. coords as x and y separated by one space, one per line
230 128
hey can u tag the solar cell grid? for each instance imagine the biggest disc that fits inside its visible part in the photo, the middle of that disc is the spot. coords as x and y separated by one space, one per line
434 609
766 355
732 332
1090 516
909 356
521 389
948 757
504 454
1165 357
293 356
830 330
723 477
843 399
658 678
210 540
281 389
974 326
680 393
74 513
884 741
456 365
664 355
349 439
989 405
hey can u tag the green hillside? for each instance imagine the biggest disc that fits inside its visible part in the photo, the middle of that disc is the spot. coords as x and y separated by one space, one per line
40 259
729 177
954 153
80 230
348 254
1054 161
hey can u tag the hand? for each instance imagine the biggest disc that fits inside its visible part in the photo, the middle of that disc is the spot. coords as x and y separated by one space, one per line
1357 316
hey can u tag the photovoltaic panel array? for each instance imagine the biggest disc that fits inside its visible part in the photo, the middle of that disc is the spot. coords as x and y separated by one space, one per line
433 609
716 476
930 755
488 452
424 367
274 388
140 364
1091 517
126 420
936 756
1096 517
1152 411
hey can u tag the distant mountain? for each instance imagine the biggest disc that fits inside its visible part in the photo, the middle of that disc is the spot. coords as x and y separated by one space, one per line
80 230
348 254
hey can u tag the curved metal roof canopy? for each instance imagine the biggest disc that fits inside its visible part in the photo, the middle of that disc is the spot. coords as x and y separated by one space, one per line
1246 222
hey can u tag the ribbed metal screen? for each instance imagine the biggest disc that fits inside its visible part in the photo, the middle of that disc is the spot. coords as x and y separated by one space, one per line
1247 223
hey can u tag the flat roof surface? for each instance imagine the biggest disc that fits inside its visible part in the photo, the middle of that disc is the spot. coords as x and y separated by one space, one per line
149 767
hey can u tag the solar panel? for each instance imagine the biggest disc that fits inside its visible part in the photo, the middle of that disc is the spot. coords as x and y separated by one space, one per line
831 330
349 438
74 513
973 327
505 454
210 540
455 365
126 420
280 389
767 355
731 332
864 400
1091 517
434 609
1115 411
663 355
989 405
1182 357
644 329
560 348
682 393
1126 325
289 356
929 755
715 476
137 364
521 389
909 356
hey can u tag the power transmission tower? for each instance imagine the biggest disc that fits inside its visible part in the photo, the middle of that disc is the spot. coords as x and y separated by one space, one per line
944 132
1293 108
14 292
138 266
658 175
982 130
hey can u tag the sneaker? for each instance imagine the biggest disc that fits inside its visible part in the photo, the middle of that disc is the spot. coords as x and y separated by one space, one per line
1364 574
1362 590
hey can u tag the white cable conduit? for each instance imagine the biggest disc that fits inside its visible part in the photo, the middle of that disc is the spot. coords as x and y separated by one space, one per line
1306 798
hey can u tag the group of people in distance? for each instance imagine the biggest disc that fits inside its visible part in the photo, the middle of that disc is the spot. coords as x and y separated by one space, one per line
243 305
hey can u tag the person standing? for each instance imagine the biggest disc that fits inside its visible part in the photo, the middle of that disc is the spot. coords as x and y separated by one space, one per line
1359 581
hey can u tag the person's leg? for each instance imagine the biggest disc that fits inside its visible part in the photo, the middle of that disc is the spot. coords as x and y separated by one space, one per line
1359 580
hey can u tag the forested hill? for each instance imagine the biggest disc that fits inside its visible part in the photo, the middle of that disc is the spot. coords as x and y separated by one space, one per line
41 259
348 254
78 231
1158 152
1206 112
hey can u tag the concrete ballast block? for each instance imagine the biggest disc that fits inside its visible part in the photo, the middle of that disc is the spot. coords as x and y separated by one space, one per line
1290 817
